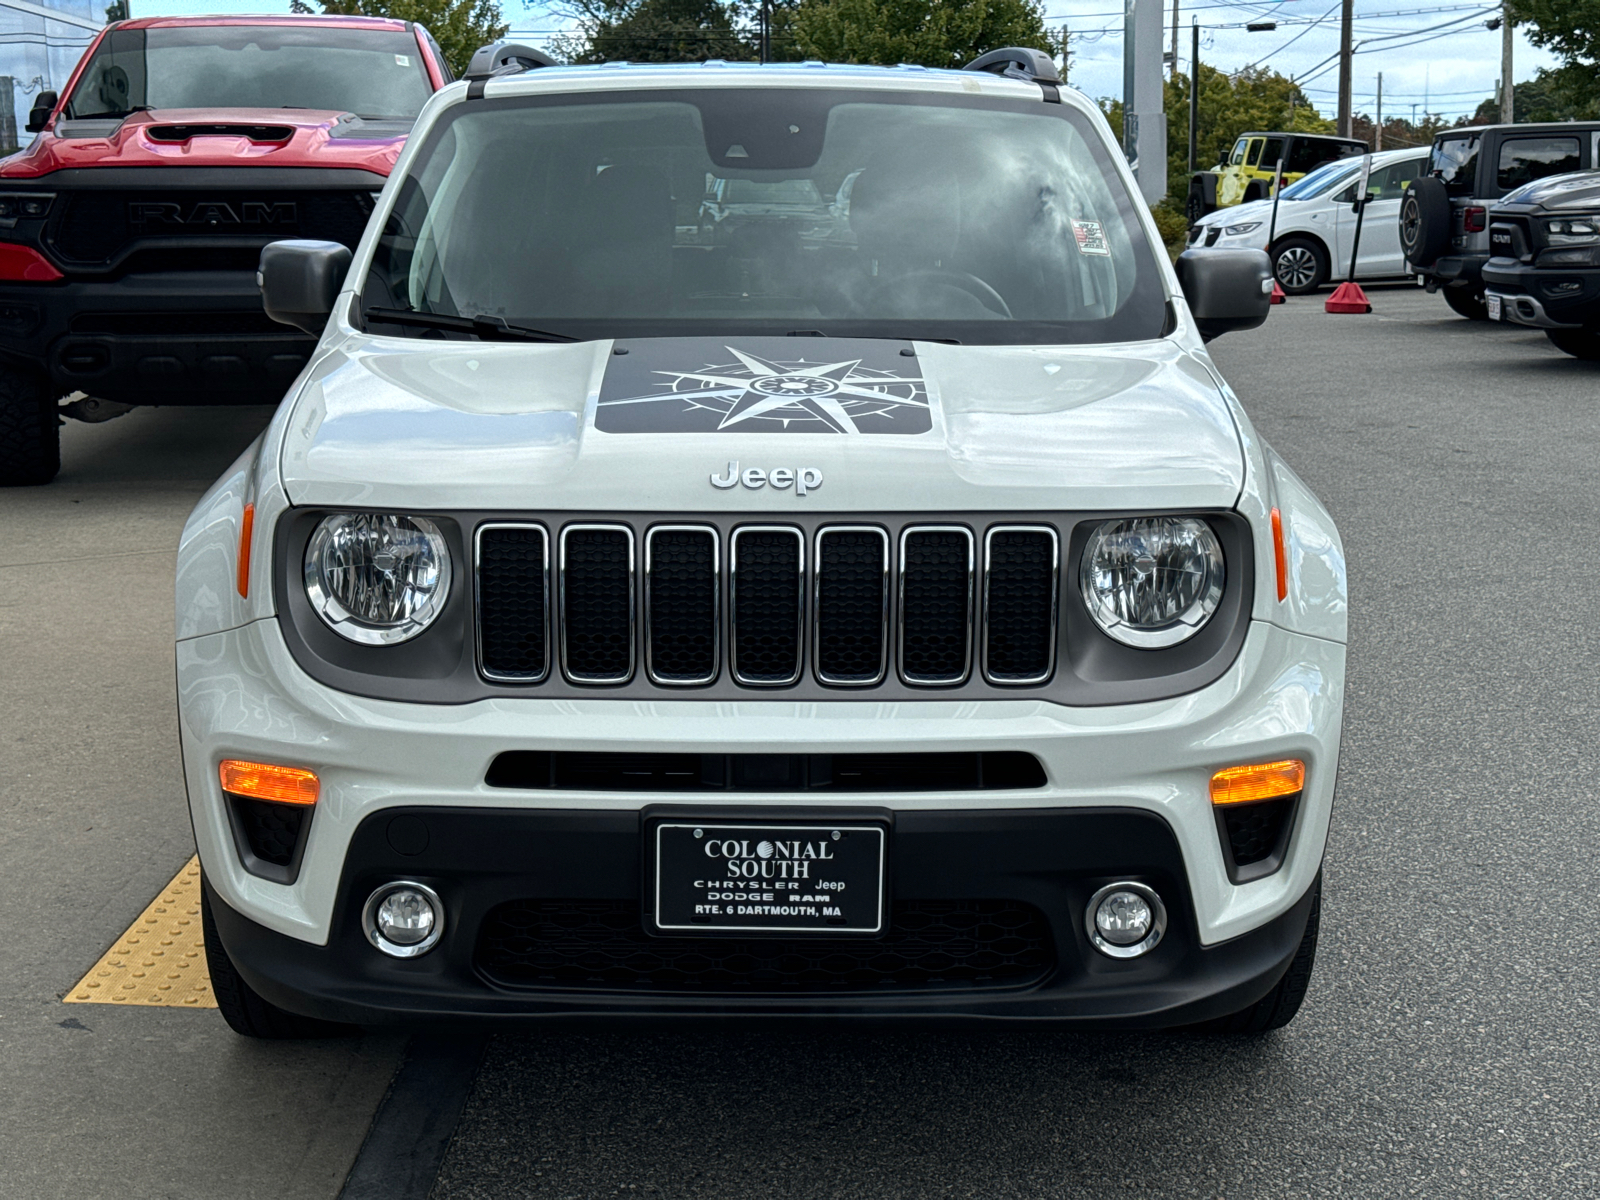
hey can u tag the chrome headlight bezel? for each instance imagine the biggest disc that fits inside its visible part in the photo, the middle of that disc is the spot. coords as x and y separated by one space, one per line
1181 626
337 616
1581 230
1241 229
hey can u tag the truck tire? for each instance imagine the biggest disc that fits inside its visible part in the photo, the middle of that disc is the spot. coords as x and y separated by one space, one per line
242 1007
1424 221
30 428
1467 302
1199 204
1300 265
1279 1006
1580 343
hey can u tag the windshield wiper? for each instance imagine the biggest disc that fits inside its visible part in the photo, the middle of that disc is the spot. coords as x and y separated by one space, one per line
488 329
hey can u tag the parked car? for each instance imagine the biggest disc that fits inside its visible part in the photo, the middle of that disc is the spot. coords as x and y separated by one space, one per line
1444 217
1247 173
926 634
1315 230
1544 264
134 219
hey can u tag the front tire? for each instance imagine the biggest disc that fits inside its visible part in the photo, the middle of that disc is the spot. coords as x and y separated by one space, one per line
243 1008
1465 302
1300 265
1279 1006
30 428
1580 343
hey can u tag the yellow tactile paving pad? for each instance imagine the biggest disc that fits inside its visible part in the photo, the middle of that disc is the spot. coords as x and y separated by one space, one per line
161 959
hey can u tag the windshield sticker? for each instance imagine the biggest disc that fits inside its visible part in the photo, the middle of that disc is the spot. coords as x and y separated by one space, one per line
762 385
1091 238
402 60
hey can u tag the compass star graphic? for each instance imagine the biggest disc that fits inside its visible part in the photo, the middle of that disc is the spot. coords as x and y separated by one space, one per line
755 393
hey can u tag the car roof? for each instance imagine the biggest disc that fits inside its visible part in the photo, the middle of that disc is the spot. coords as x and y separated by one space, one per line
388 23
1521 127
1310 137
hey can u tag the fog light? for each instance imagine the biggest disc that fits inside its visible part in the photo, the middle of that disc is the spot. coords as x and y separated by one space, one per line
1125 920
404 919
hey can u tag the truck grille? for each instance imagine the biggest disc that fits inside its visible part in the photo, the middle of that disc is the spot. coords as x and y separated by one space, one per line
856 600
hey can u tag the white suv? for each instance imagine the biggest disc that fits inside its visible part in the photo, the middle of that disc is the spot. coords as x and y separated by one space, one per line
903 623
1316 223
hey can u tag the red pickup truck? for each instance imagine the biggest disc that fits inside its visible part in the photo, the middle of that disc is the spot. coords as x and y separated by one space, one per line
131 226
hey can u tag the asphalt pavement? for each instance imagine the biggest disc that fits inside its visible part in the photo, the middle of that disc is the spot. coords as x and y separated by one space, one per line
1449 1045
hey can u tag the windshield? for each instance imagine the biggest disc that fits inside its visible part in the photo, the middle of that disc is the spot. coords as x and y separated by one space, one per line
970 219
1323 179
370 72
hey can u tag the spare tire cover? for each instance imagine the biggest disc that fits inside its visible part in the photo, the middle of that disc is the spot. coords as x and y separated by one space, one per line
1424 221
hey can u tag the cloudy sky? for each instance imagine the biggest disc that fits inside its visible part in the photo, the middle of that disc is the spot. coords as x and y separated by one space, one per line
1435 55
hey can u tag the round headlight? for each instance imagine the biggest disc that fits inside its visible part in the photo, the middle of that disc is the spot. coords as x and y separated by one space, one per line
1152 581
377 578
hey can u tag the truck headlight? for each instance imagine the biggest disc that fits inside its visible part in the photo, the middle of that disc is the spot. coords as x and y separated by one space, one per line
1151 582
1573 231
377 578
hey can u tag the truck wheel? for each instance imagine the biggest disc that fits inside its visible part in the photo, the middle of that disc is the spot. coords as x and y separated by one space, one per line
1300 265
1424 221
242 1007
1196 207
30 429
1467 303
1278 1007
1580 343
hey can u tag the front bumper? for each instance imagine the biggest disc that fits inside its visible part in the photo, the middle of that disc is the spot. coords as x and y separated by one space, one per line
1543 297
181 337
1007 888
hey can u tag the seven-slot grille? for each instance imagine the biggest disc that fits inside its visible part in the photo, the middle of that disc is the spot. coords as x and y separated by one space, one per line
850 599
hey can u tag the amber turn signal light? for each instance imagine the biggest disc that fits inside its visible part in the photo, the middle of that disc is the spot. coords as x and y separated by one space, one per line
1263 781
263 781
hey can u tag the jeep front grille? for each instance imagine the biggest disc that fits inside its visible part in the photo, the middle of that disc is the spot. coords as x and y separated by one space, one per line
936 604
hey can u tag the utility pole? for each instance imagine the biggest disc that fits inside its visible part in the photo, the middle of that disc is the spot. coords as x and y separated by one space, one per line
1377 133
1194 95
1175 4
766 32
1066 54
1508 108
1347 16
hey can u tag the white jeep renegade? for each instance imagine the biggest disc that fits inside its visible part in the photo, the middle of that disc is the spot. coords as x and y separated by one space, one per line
870 603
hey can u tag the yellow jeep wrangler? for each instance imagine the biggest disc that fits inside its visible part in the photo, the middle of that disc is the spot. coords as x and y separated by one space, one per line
1247 173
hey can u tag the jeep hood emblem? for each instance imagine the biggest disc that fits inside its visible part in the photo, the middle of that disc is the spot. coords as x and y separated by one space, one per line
802 479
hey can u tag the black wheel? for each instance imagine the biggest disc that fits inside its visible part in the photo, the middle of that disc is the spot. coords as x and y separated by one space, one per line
1195 207
1467 303
1580 343
242 1006
1424 221
1278 1007
1300 265
30 428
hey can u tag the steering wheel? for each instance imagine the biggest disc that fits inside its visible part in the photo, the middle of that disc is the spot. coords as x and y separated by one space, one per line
962 280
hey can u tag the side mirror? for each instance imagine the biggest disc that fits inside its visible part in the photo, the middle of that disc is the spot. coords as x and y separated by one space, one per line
39 114
1226 289
299 281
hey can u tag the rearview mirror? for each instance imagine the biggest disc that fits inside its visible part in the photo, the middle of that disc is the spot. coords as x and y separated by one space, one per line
299 281
1226 289
39 114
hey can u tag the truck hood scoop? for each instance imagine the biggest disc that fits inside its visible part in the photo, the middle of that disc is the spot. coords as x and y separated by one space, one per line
655 424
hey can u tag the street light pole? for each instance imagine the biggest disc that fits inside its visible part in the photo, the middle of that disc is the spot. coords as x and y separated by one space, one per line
1346 18
1194 96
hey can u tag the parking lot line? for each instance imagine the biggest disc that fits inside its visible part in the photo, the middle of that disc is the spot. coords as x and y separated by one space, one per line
161 959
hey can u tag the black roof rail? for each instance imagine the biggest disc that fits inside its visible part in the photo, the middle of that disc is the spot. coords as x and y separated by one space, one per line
1021 62
501 58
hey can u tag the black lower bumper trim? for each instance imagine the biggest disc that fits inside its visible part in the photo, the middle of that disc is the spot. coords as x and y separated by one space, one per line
1050 861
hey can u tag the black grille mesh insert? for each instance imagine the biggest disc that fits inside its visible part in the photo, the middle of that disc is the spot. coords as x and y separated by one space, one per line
766 605
683 605
513 629
936 605
1254 829
665 771
1019 616
597 603
601 944
271 830
852 586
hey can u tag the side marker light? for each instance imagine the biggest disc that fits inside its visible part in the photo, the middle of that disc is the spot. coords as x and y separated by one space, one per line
1262 781
263 781
1279 557
248 524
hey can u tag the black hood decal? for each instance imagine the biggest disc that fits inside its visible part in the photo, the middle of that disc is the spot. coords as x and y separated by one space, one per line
763 385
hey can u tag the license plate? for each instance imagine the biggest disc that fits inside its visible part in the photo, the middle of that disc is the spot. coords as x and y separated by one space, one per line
1494 307
817 879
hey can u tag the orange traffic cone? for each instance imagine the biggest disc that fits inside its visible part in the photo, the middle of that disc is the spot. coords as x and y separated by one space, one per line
1278 294
1348 298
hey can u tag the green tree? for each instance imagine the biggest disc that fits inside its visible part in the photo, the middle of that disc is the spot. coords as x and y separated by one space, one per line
656 31
1571 30
932 33
1548 96
459 26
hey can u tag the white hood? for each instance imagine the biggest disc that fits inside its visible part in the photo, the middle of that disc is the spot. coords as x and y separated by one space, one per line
1252 210
644 425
